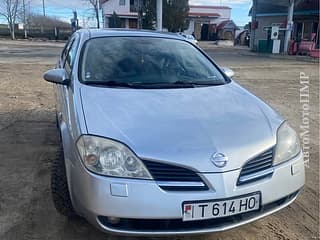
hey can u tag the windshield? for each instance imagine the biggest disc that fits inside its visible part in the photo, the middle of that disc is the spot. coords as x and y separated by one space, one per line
146 61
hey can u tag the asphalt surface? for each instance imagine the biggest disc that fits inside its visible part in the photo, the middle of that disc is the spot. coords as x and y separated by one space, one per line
29 139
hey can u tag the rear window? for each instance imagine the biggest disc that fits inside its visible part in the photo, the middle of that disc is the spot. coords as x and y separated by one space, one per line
145 60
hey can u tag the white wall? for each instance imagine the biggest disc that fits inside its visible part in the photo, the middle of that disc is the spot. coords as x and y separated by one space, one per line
225 13
113 6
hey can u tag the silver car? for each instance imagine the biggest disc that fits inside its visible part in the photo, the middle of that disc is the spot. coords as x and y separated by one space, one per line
156 139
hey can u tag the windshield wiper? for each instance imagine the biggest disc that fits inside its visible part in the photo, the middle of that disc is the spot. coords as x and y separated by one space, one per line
139 85
113 84
200 83
178 84
156 85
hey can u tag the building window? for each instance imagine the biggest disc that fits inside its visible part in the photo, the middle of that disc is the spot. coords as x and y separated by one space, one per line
133 6
122 2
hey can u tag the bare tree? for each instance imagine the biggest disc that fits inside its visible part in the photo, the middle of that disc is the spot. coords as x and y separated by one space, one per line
9 10
36 20
96 7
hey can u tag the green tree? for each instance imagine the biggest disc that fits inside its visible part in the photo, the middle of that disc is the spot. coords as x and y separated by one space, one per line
175 15
149 19
114 21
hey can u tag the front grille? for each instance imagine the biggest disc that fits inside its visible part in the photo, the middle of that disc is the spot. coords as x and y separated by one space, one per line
174 178
166 172
166 225
257 168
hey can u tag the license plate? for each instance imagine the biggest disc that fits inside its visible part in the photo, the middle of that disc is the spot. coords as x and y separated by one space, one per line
220 207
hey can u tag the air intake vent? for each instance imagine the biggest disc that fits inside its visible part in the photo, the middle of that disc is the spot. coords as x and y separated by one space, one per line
257 168
175 178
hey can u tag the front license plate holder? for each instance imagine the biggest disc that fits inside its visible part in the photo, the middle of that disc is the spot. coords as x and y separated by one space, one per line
219 208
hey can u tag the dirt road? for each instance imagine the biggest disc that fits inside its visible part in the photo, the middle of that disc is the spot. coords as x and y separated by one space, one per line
28 141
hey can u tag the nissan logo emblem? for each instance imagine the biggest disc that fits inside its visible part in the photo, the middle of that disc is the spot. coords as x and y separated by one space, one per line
219 160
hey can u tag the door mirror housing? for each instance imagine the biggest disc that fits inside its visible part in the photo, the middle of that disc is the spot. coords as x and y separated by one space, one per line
58 76
229 72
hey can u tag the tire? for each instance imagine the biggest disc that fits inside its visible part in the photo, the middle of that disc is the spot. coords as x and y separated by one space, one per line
59 186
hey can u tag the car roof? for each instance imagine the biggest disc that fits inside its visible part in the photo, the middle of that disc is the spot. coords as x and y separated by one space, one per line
118 32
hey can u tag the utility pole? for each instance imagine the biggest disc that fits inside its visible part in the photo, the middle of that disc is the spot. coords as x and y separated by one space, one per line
103 24
253 25
74 22
289 26
43 8
139 9
24 20
29 11
98 13
159 15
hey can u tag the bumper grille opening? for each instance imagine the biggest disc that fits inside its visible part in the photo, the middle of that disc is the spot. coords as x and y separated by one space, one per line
257 168
183 188
174 178
164 225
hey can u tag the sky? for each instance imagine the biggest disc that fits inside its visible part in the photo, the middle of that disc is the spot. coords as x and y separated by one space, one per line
63 9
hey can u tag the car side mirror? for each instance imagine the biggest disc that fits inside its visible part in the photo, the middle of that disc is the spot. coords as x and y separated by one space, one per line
58 76
228 71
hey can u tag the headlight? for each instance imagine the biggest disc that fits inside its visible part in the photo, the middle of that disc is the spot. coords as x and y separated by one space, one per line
110 158
288 144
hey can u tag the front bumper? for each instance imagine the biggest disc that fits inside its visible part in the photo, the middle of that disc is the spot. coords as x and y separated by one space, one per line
145 209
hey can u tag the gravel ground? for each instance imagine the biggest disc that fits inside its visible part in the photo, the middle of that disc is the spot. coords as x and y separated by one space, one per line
28 140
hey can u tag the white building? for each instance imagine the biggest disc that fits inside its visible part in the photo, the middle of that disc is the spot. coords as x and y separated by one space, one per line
204 20
125 9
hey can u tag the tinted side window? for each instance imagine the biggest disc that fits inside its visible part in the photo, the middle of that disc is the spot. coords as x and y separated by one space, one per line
65 51
71 54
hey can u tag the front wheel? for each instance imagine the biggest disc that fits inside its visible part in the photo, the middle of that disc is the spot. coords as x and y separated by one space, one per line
59 186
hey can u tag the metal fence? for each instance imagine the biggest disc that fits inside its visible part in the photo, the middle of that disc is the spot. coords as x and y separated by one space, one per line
38 32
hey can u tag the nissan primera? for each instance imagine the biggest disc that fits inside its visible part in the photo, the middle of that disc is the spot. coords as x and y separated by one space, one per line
156 139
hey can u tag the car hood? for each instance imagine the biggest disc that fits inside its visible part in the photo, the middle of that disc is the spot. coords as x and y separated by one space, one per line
183 126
